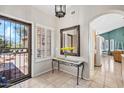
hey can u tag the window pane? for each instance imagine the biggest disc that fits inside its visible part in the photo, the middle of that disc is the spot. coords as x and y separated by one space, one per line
18 34
13 27
22 35
7 34
25 39
1 33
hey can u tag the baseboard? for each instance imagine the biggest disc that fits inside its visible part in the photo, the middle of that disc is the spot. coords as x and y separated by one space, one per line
42 73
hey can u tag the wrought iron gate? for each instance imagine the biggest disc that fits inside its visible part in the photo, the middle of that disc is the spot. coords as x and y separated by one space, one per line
15 49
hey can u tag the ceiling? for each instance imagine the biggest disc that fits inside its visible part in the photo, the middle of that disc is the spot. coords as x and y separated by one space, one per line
49 9
107 22
102 24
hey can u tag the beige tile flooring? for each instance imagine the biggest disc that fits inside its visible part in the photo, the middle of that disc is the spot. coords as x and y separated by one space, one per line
107 76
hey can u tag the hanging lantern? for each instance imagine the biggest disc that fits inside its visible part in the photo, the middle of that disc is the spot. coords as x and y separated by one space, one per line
60 10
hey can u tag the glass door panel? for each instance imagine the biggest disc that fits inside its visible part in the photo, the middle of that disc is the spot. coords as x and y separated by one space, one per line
15 49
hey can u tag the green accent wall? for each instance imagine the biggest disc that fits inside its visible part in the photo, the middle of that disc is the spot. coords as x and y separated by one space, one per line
117 35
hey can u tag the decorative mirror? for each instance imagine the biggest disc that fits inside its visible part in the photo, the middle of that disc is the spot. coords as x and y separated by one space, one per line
70 41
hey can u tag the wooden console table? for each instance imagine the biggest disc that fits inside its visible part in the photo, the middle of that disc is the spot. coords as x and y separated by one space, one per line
69 63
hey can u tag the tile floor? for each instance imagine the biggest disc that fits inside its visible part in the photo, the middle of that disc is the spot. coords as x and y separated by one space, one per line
107 76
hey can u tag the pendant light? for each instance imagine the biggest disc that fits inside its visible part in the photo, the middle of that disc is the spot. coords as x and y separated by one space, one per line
60 10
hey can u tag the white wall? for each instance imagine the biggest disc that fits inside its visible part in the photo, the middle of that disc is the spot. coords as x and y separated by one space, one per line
72 20
34 16
83 16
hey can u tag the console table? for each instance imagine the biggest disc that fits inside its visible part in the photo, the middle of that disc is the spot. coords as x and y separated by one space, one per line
69 63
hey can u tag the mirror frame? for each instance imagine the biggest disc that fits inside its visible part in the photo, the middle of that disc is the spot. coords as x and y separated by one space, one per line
61 39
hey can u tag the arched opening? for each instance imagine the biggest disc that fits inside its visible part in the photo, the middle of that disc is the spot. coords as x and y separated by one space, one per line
98 26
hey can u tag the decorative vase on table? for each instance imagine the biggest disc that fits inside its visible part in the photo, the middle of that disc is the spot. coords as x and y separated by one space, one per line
65 54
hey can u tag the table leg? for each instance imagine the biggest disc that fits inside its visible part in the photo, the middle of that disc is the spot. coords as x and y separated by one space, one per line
58 66
82 70
77 74
52 67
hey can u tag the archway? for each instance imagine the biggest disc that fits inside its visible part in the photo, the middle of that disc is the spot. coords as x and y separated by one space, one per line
92 31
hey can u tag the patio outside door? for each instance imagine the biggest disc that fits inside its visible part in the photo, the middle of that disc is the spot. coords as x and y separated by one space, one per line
15 49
